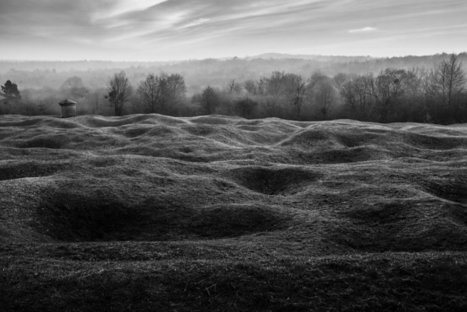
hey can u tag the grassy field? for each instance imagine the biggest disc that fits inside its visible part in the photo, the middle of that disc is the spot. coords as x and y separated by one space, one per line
214 213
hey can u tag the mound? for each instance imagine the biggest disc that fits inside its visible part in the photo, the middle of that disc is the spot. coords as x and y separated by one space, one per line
212 120
148 212
312 138
21 121
145 132
136 132
339 156
101 122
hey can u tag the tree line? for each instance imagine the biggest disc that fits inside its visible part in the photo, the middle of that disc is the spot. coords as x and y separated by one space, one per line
393 95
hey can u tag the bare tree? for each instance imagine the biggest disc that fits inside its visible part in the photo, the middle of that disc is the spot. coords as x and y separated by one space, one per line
234 87
148 92
245 107
389 87
286 88
118 92
297 88
160 93
449 79
251 87
209 100
175 89
321 92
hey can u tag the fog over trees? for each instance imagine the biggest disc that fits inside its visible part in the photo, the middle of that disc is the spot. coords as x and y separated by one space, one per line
419 89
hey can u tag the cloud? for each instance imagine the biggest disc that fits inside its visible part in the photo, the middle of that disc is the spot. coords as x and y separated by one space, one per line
197 22
363 30
214 28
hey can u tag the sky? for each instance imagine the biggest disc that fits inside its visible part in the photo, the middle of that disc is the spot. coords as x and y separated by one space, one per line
163 30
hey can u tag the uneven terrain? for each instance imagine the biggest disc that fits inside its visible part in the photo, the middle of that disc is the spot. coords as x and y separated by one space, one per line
214 213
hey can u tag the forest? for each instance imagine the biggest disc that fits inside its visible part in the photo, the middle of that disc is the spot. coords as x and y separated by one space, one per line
428 89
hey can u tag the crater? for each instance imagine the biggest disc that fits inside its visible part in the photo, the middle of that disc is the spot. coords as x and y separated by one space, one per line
453 190
355 139
273 181
381 214
136 132
200 130
350 155
235 220
27 170
403 226
458 214
54 142
434 142
75 217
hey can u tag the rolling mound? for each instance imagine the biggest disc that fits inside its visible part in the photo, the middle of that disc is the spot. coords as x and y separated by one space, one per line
150 212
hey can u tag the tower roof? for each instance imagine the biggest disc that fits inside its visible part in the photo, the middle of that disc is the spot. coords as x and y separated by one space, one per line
67 102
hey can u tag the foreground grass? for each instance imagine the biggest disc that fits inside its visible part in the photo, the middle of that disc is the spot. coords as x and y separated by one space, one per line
377 282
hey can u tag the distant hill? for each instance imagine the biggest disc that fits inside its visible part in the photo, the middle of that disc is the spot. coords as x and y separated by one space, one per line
321 58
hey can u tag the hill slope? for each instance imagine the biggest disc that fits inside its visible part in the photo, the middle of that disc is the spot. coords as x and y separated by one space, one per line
148 212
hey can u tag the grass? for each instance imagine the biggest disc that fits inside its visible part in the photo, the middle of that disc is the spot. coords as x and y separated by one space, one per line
383 282
154 213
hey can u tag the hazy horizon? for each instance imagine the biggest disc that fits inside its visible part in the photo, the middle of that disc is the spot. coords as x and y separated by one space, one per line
265 55
175 30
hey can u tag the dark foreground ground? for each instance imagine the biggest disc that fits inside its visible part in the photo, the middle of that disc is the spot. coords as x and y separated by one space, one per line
153 213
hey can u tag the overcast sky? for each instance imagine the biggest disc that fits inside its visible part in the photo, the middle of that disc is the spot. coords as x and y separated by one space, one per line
191 29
